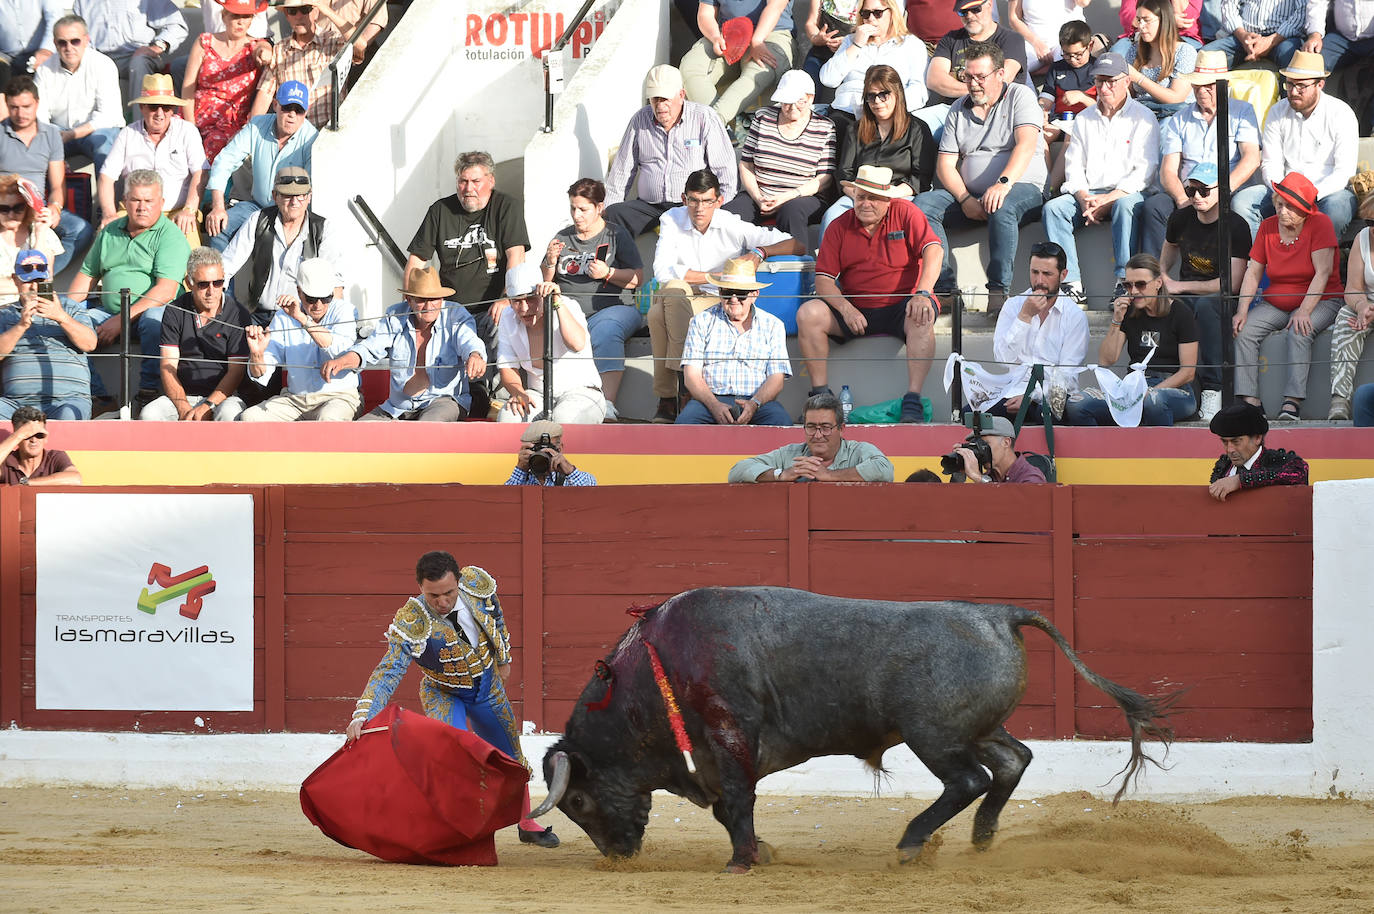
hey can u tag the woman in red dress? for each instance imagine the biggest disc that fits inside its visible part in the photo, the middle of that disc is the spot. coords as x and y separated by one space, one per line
221 74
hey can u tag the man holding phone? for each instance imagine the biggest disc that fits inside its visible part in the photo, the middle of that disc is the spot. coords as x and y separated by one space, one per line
41 346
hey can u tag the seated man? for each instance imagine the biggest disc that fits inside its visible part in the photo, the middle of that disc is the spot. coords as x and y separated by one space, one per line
166 143
304 55
666 140
307 330
26 35
576 395
1312 133
1247 463
204 349
41 341
1254 30
542 462
826 455
269 142
876 269
144 253
693 240
1112 157
433 348
711 80
79 91
1194 231
991 167
24 458
735 359
140 36
265 256
1041 326
948 59
1350 42
1005 465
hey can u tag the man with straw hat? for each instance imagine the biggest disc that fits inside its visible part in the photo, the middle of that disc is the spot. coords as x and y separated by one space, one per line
165 143
1308 132
735 359
434 351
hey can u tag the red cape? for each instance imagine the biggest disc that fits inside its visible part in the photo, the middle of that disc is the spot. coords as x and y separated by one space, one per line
416 791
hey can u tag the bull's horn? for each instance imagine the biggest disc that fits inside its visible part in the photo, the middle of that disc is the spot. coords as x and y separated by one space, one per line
562 773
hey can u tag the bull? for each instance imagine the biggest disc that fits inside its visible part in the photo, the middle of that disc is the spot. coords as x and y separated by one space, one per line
768 677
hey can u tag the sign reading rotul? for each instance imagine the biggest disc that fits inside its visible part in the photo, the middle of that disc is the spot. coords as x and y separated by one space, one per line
510 35
144 602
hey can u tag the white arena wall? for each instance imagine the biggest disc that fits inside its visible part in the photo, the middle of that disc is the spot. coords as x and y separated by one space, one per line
1336 762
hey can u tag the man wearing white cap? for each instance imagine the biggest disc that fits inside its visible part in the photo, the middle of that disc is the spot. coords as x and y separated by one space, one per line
1312 133
577 397
665 141
725 76
307 330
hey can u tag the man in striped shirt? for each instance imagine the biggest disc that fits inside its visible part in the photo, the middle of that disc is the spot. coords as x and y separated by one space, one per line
1259 29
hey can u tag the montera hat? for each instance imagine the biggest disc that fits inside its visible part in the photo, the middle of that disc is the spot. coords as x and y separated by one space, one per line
1239 420
738 273
424 283
158 90
873 179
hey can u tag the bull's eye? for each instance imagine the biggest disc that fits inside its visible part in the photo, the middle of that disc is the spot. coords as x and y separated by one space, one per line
576 803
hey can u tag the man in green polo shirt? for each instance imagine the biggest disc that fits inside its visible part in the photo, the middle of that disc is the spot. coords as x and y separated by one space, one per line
145 253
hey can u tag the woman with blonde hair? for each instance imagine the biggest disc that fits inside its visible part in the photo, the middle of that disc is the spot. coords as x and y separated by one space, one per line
20 228
881 37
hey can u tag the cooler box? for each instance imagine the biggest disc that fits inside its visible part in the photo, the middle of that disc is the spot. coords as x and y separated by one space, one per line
77 185
792 280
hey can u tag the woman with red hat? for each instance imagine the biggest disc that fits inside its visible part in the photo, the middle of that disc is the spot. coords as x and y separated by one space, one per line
1296 248
221 74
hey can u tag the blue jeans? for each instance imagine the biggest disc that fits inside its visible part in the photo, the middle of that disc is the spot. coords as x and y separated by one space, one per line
1207 310
609 329
236 215
1254 204
1235 54
76 408
75 234
1208 19
1020 206
696 413
1362 406
148 326
95 144
1063 216
1162 406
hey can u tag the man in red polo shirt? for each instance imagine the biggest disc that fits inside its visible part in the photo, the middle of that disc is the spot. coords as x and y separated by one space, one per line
878 263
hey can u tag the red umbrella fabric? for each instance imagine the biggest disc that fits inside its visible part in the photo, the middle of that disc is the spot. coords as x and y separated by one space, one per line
416 790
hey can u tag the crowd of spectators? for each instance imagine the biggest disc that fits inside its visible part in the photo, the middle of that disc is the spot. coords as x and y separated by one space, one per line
933 118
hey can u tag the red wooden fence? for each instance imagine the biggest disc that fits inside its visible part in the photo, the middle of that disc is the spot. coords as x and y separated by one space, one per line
1156 586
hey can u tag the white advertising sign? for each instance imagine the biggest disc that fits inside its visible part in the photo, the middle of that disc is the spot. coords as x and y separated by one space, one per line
144 602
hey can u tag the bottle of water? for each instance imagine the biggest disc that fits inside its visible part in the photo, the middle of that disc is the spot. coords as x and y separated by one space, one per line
846 402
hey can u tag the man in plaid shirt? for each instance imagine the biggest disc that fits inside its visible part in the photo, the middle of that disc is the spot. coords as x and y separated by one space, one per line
734 362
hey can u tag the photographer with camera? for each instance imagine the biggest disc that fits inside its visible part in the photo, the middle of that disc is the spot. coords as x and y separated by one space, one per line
987 455
541 461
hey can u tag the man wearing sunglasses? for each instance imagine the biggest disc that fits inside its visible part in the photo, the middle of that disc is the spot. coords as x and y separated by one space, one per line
309 328
204 349
78 88
944 76
138 35
825 456
303 56
41 344
25 460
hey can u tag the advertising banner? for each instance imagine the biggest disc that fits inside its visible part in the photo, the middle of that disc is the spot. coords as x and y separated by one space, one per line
144 602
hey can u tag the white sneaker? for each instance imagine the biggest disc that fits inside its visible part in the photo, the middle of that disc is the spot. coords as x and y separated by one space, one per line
611 414
1340 409
1211 405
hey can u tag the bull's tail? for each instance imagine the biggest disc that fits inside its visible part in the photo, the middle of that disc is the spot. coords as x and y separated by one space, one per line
1145 714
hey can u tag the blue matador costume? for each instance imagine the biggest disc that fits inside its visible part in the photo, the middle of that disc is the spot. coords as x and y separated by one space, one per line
460 686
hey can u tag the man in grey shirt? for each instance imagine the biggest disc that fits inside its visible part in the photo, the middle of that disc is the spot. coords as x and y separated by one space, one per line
826 456
991 167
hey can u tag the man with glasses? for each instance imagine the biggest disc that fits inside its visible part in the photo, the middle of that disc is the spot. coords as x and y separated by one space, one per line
42 339
204 349
1191 244
735 360
78 88
26 460
307 330
167 144
303 57
1254 30
1188 139
991 168
269 142
947 63
140 36
694 240
1309 132
274 243
1112 157
826 455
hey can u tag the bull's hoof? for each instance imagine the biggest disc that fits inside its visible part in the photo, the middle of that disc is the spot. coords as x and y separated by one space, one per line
907 855
919 853
767 854
736 869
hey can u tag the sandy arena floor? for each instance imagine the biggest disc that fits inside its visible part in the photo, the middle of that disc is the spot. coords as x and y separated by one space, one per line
98 850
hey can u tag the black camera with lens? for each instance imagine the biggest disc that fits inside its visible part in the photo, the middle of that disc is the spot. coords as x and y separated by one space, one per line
952 464
541 452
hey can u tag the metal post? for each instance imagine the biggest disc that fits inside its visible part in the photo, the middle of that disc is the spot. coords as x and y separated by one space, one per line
125 329
334 95
548 355
1224 310
956 343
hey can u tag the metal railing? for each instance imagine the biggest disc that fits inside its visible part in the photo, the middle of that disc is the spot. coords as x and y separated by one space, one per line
335 81
383 240
553 63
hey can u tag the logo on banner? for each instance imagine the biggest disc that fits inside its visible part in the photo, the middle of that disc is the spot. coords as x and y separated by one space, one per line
516 36
195 585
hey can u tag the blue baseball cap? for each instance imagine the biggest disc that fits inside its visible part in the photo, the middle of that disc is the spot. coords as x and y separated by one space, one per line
294 92
1204 173
31 266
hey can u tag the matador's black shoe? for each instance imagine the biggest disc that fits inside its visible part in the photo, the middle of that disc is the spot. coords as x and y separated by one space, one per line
545 838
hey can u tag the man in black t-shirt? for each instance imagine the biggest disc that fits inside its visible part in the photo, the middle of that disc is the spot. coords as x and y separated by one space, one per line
942 76
1191 241
204 349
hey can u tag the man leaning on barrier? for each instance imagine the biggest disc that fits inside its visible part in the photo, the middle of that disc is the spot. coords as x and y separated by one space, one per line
825 456
1247 463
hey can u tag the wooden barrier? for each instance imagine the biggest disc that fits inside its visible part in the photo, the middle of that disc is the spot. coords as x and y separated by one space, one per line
1157 587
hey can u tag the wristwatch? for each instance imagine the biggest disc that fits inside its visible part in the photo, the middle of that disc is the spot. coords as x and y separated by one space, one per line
1004 180
777 473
